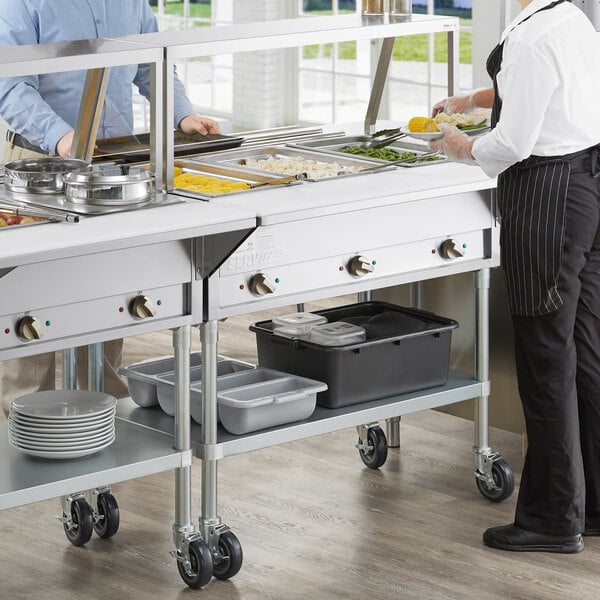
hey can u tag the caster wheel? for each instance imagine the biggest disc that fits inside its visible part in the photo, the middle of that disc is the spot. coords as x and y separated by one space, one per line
201 565
80 530
504 480
108 516
229 561
377 454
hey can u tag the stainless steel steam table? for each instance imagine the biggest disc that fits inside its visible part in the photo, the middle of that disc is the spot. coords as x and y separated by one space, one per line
336 237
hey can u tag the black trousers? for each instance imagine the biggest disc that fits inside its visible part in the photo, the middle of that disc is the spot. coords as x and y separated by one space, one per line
558 370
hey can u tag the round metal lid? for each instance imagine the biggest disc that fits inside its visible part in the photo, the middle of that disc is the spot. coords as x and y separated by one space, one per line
52 164
108 174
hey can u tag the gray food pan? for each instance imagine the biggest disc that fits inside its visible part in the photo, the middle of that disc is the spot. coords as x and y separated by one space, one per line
165 386
230 173
280 398
142 377
333 146
233 157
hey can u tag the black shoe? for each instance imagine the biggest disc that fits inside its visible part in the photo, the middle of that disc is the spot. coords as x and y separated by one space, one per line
511 537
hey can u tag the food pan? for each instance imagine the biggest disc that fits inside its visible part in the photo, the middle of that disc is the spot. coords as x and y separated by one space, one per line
166 386
39 175
109 185
228 174
142 377
264 398
330 165
333 146
11 216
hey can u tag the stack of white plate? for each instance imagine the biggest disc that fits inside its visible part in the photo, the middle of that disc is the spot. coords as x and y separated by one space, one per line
62 424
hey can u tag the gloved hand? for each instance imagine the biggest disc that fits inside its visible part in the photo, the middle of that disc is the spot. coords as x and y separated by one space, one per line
455 144
453 104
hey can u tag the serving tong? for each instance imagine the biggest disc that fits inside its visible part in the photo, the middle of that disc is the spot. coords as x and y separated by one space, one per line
379 141
280 180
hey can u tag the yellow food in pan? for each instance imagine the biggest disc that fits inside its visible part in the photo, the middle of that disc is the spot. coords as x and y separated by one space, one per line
206 184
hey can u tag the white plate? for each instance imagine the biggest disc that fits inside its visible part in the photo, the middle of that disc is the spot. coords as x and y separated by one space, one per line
59 447
64 404
50 432
64 439
80 422
68 455
435 135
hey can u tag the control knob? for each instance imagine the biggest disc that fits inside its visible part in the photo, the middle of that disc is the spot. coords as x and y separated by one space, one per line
30 328
142 307
360 266
452 249
262 285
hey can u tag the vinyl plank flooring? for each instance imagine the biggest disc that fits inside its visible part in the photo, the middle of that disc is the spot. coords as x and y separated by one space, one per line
312 520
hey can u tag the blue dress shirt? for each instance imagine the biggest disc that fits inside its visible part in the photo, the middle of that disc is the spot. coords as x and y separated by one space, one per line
44 108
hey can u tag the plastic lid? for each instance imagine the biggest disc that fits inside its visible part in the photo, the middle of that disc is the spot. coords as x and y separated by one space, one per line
299 318
338 333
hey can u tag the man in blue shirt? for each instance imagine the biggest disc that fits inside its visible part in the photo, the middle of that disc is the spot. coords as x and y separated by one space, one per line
41 112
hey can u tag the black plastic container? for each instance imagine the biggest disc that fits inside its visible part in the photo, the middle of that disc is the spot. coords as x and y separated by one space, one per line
406 349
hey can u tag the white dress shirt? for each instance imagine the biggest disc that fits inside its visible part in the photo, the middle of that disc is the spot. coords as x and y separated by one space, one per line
549 84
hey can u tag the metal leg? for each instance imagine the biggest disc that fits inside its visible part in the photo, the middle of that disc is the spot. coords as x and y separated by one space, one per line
493 475
365 296
392 432
96 367
69 369
209 519
183 526
482 356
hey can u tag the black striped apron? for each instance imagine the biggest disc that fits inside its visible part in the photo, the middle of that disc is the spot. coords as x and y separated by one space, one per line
532 197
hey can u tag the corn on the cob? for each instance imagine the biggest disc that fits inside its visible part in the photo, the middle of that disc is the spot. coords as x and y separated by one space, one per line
422 125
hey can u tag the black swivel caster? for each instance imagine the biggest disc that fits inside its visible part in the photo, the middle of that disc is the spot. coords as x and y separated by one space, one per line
229 560
200 569
376 454
107 521
504 482
81 525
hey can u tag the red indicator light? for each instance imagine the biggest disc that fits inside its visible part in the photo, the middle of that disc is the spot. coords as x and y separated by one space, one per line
7 330
433 251
340 268
242 286
121 309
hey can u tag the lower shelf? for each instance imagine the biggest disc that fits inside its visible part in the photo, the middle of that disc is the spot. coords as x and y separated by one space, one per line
460 386
136 452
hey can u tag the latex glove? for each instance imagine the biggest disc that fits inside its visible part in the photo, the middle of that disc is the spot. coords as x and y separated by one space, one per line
201 125
455 144
454 104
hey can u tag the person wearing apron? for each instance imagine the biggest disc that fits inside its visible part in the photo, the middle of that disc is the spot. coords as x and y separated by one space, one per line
41 112
544 147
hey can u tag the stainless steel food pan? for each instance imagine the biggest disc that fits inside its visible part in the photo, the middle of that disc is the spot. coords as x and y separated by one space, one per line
226 173
109 185
39 175
333 146
342 162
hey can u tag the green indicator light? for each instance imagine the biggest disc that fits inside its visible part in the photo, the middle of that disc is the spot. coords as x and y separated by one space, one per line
276 279
48 323
464 245
373 262
159 302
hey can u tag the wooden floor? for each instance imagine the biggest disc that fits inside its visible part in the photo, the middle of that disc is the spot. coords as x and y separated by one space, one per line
313 521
